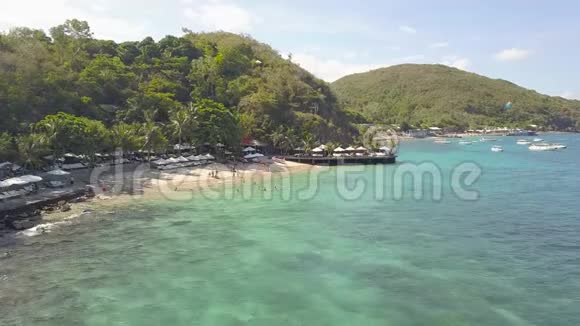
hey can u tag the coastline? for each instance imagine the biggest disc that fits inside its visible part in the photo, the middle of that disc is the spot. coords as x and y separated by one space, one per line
139 186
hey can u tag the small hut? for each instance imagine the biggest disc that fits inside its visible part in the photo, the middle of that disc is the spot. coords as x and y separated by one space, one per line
58 178
339 151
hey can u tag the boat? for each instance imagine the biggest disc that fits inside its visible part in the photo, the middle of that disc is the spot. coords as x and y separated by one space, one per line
483 139
442 141
546 147
496 148
537 140
465 142
523 142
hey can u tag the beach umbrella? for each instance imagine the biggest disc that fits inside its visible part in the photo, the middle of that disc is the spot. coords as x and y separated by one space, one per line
350 149
220 145
249 149
182 159
339 150
317 150
361 148
384 149
172 160
209 157
323 147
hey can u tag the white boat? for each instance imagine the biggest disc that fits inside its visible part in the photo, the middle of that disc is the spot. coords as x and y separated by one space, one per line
483 139
523 142
442 141
537 140
465 142
546 147
496 148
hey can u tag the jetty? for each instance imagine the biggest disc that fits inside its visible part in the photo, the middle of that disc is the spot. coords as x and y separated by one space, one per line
343 160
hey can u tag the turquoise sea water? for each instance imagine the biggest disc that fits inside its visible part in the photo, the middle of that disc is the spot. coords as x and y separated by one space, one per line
511 257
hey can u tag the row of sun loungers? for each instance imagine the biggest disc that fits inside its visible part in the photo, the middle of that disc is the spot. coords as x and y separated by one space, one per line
182 162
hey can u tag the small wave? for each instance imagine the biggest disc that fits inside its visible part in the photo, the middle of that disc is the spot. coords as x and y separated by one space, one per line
48 227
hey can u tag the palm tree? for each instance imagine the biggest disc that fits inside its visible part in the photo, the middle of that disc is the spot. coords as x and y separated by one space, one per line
330 147
125 136
278 137
149 131
50 132
308 143
30 149
179 121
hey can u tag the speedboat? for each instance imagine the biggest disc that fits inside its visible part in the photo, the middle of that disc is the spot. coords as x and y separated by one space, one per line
496 149
465 142
523 142
546 147
537 140
483 139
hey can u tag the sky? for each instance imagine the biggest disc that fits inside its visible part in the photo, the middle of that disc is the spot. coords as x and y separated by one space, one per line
533 43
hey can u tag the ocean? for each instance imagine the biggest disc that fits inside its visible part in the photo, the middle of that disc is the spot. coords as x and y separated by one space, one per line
473 238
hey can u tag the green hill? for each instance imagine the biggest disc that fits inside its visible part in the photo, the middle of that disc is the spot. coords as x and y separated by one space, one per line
68 70
438 95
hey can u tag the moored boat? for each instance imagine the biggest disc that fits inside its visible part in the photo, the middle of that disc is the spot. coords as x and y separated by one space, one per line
546 147
442 141
497 148
537 140
465 142
523 142
484 139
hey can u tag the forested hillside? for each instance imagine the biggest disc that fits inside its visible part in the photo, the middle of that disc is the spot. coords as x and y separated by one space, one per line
198 87
437 95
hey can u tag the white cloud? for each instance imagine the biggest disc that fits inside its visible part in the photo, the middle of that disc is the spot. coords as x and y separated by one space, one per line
456 62
512 54
45 14
332 69
407 29
219 15
439 45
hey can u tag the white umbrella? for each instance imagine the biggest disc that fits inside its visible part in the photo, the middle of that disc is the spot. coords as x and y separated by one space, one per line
182 159
249 149
323 147
384 149
350 149
172 160
360 148
339 150
58 172
209 157
318 150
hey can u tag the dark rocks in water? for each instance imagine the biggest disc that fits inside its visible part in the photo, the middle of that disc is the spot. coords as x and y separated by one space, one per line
81 199
23 224
65 207
90 191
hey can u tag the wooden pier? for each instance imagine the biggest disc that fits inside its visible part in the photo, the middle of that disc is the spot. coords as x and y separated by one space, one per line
343 160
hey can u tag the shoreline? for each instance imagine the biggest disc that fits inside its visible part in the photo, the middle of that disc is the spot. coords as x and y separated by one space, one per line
150 185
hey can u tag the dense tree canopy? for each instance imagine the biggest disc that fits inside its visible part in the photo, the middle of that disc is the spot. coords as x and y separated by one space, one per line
199 87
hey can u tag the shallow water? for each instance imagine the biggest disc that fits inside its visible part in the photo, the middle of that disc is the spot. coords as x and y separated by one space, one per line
512 257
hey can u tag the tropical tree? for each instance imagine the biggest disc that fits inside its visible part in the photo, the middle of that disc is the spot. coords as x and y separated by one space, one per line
152 135
31 148
126 136
217 124
309 142
181 123
8 150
